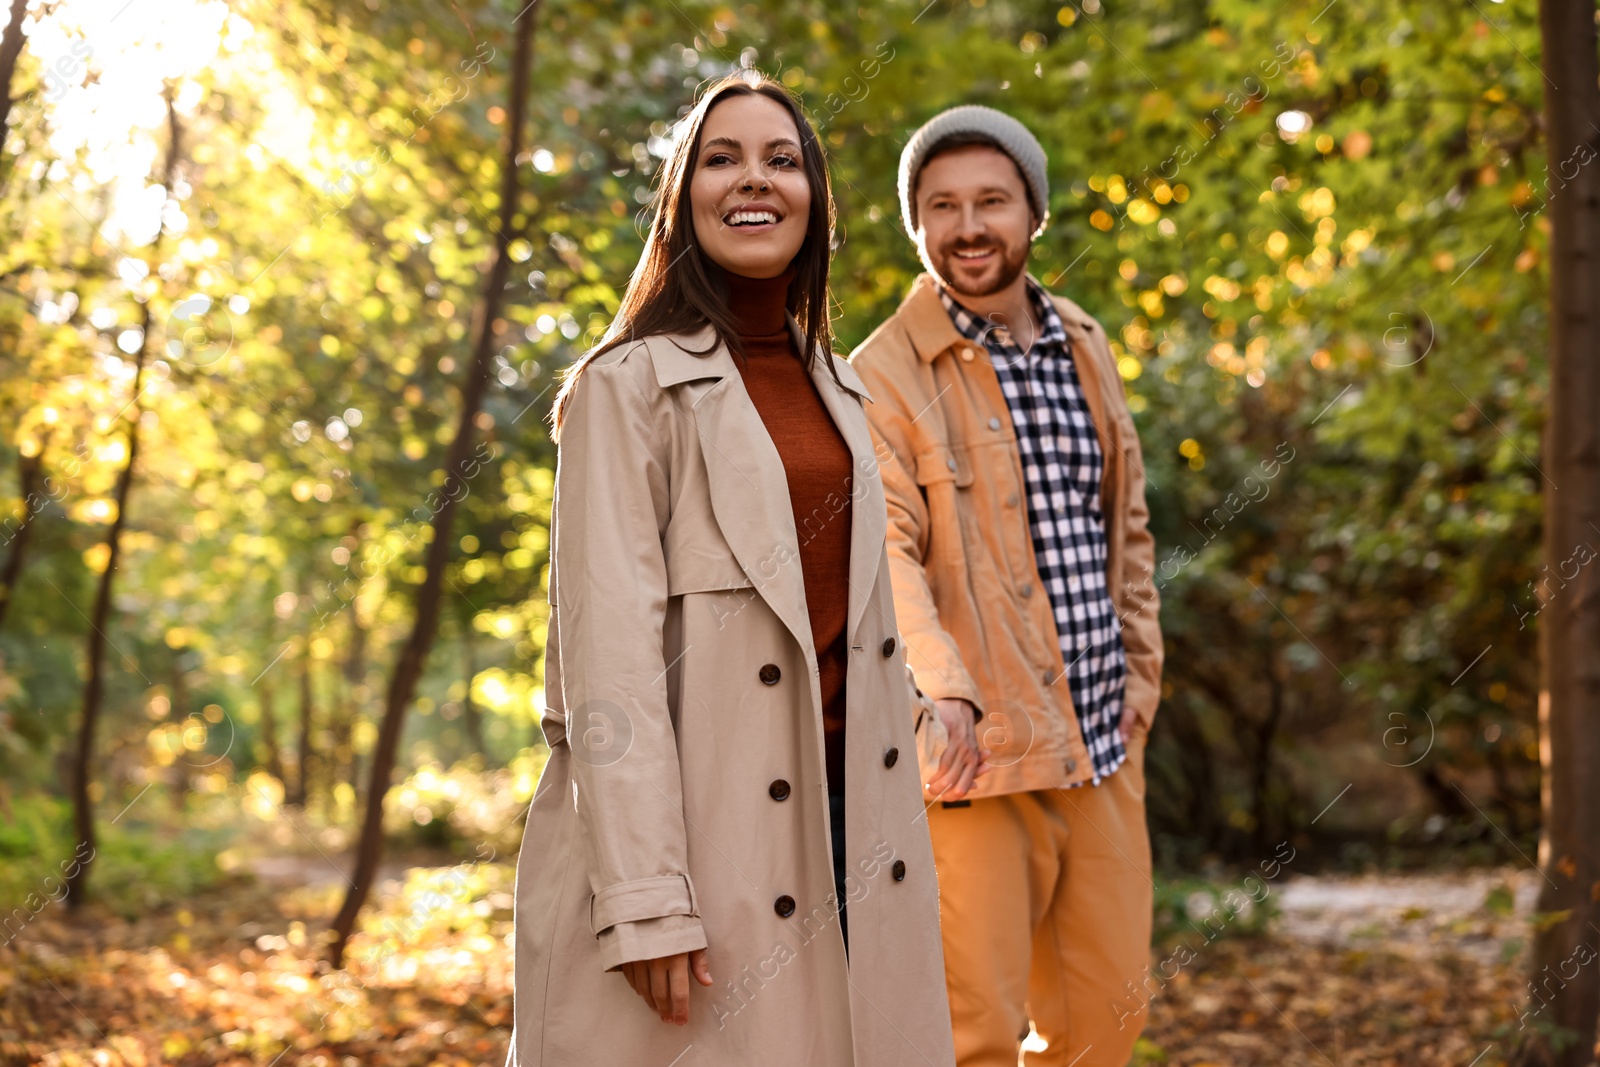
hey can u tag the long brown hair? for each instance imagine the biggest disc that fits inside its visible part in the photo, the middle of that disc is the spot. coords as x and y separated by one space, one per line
672 291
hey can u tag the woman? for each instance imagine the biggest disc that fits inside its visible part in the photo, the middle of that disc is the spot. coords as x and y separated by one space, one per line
722 660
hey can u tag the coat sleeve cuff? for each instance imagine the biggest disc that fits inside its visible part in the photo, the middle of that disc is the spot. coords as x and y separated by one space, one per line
646 918
948 685
650 939
937 670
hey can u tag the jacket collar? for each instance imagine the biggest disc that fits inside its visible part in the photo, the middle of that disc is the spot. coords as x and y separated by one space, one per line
932 333
701 355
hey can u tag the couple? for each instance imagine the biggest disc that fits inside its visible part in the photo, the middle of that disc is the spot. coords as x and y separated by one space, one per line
759 840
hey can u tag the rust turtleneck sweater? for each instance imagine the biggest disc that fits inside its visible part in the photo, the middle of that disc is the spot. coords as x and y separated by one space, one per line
817 463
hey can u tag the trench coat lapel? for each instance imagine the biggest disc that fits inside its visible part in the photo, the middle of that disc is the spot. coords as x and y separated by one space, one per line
748 487
868 513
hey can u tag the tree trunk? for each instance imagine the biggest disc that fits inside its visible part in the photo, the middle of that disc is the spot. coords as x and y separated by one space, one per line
459 467
1566 972
305 758
178 711
471 717
10 51
100 615
355 668
269 732
30 476
1265 733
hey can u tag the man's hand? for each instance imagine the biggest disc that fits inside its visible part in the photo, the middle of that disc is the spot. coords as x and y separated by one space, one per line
1129 718
664 982
963 761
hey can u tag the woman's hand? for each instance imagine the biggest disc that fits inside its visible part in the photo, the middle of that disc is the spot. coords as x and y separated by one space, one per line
664 982
963 761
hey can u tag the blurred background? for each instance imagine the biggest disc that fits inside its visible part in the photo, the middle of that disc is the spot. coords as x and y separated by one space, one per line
286 290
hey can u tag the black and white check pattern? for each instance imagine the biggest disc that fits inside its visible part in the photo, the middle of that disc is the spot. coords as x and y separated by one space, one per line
1062 466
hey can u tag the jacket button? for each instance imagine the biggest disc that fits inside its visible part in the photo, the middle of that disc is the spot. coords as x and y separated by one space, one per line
891 757
1072 764
994 424
778 790
1027 589
888 647
1011 501
770 674
951 463
784 906
898 870
966 354
1047 676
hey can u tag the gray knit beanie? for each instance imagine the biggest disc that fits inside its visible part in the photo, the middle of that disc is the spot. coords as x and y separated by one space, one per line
1013 137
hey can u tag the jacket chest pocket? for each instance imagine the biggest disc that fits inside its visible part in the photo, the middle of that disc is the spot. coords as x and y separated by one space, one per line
945 477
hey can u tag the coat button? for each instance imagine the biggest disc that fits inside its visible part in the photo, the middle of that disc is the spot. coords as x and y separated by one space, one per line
778 790
1047 676
784 906
967 354
951 463
898 870
1027 589
770 674
891 757
994 424
1011 501
1072 764
888 647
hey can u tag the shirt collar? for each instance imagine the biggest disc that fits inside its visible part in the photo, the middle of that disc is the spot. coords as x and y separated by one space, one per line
1052 332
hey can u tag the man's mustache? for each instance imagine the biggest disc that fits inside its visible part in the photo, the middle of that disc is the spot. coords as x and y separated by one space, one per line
972 246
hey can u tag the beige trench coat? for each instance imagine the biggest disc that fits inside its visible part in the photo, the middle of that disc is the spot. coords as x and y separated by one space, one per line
684 804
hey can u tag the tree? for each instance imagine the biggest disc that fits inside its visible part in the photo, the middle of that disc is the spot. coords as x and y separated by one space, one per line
1566 961
100 616
273 757
30 478
305 746
458 468
10 50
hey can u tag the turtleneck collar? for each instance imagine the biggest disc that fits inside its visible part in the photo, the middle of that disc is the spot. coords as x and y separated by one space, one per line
758 305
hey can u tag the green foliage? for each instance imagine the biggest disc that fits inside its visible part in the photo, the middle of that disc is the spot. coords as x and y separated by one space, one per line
1500 901
1198 911
1316 238
466 805
138 865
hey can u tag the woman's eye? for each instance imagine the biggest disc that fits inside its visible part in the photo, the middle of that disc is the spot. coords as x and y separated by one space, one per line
784 161
718 159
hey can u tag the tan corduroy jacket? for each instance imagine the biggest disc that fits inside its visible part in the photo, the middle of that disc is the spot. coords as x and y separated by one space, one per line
976 620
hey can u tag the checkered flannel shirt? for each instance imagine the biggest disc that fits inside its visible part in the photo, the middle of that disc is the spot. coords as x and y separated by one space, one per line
1062 466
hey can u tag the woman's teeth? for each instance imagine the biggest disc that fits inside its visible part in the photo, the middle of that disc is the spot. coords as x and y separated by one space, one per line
751 218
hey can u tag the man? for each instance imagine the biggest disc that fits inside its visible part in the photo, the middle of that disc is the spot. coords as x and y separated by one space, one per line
1022 571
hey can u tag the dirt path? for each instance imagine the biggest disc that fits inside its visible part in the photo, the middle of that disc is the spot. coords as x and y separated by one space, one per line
1413 913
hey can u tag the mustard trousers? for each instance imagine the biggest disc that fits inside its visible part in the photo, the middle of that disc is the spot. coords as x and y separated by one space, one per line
1045 909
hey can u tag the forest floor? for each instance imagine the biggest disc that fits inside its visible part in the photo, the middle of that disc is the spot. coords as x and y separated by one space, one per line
1420 970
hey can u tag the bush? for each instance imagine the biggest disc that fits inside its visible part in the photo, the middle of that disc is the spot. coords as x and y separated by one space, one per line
465 806
1185 907
137 865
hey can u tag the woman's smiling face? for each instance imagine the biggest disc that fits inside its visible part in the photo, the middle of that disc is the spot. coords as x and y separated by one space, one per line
749 195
